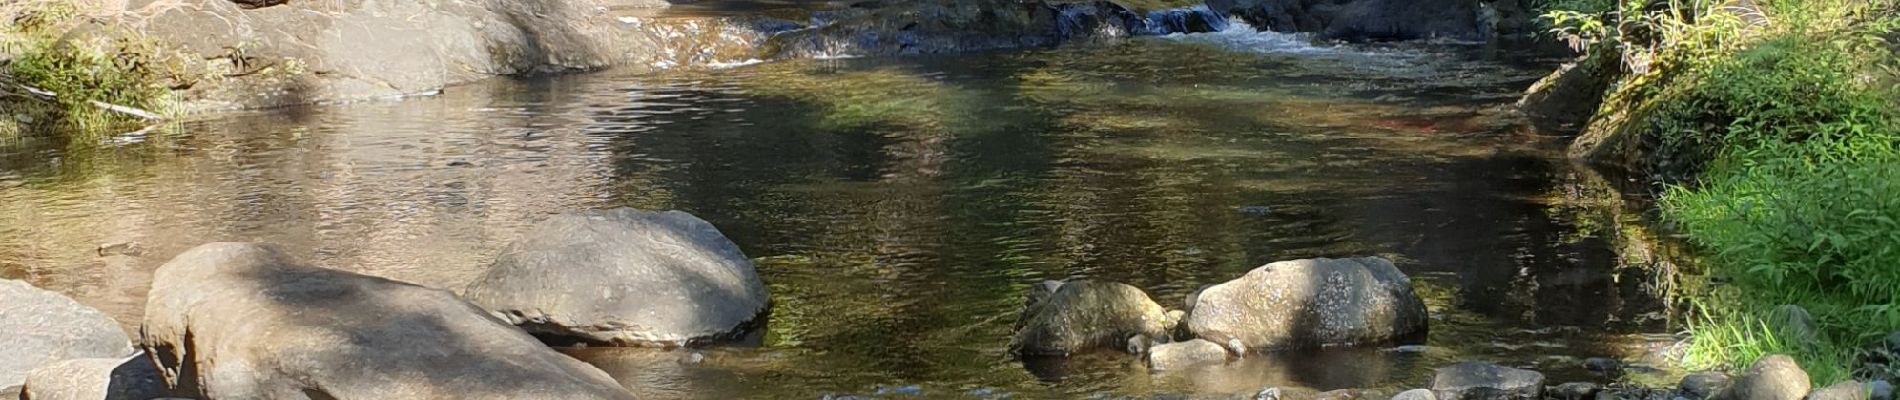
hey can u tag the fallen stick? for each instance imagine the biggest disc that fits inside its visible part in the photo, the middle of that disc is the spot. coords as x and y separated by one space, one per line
48 95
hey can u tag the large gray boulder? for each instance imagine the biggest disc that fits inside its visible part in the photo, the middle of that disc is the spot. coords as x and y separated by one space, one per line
39 327
1309 303
624 277
1475 380
1775 377
245 321
1084 315
133 378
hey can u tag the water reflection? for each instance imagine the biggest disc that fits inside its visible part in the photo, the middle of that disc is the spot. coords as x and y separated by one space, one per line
899 208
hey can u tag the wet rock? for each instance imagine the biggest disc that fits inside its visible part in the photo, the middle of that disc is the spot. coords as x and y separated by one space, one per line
1185 354
1575 391
245 321
1702 385
1370 19
1848 390
1474 380
1085 315
1342 394
1795 325
1416 394
1775 377
624 277
1312 302
38 327
1564 100
134 378
942 26
1603 365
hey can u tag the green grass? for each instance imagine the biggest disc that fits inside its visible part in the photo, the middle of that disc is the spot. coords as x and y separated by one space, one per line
80 71
1774 131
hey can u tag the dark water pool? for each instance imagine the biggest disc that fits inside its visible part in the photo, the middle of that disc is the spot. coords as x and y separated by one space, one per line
899 208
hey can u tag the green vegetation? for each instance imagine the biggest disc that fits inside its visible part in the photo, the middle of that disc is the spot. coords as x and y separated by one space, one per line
1772 126
79 73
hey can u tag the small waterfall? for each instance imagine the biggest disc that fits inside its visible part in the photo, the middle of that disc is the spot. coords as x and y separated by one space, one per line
1239 35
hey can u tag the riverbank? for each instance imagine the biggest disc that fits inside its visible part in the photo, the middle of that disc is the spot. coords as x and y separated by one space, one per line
1768 131
200 56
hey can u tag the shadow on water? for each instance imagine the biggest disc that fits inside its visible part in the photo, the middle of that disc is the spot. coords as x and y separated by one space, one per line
899 208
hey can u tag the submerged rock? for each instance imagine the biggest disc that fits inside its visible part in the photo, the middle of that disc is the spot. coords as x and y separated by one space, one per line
1312 302
133 378
1087 315
39 327
1180 355
1775 377
624 277
244 321
1474 380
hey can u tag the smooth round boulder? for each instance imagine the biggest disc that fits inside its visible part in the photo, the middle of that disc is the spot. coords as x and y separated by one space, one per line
1085 315
39 327
131 378
245 321
1475 380
1178 355
1310 303
624 277
1774 377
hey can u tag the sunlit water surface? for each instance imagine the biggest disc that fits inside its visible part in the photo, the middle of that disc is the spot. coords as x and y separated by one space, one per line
900 208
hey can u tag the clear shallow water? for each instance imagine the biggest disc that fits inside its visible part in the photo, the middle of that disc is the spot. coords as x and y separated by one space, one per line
900 208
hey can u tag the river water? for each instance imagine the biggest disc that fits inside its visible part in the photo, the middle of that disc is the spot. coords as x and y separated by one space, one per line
899 208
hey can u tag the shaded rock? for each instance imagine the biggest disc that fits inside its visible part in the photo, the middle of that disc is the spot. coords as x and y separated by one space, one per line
1848 390
38 327
1795 325
1566 99
1702 385
245 321
1312 302
1603 365
1575 391
1416 394
1087 315
1879 390
1775 377
1475 380
1185 354
133 378
624 277
1378 19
